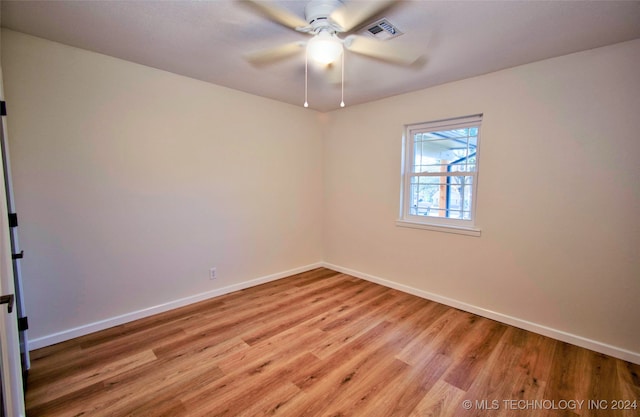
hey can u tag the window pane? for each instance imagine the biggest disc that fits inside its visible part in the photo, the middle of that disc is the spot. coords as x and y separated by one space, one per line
459 198
445 151
441 196
425 156
423 192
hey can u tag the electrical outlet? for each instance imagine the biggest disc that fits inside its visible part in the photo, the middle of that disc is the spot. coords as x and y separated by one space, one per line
212 273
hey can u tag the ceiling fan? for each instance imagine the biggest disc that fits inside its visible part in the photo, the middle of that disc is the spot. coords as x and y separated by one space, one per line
324 20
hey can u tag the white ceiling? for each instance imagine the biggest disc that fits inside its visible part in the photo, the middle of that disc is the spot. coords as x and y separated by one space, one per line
206 40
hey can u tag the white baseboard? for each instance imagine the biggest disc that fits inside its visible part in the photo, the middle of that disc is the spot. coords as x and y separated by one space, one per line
161 308
563 336
607 349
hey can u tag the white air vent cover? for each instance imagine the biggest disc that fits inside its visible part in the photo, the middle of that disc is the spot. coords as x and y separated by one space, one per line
382 29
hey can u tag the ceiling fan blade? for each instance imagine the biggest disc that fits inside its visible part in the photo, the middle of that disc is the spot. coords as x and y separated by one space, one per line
354 13
266 56
383 50
278 14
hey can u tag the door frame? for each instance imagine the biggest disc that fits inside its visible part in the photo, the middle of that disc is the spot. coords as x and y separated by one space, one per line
11 368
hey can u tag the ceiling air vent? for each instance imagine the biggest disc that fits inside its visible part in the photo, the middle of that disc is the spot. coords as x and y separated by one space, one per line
383 30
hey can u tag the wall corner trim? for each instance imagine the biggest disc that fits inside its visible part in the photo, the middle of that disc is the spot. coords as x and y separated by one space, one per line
64 335
563 336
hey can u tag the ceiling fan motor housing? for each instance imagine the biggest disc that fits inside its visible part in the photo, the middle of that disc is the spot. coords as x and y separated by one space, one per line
317 13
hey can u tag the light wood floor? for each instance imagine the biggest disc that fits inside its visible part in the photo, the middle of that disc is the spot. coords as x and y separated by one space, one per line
323 344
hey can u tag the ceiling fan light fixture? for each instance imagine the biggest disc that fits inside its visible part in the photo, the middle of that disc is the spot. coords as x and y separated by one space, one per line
324 48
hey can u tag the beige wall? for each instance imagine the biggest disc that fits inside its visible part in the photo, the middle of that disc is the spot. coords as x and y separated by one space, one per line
132 182
558 197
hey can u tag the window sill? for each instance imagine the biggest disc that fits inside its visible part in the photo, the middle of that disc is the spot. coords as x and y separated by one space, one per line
460 230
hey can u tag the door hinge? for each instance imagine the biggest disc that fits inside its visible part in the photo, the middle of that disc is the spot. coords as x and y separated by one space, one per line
3 108
13 219
23 324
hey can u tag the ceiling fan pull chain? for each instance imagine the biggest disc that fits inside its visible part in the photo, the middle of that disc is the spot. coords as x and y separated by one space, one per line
306 67
342 83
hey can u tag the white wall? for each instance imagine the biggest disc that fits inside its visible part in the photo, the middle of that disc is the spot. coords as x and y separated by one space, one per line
132 182
558 198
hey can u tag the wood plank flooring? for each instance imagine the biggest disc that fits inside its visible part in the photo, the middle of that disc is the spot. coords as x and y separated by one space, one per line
323 343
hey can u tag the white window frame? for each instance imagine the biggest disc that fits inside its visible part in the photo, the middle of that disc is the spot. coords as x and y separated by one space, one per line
443 224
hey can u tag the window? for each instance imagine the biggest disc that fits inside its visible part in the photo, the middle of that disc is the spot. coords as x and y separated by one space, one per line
440 175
